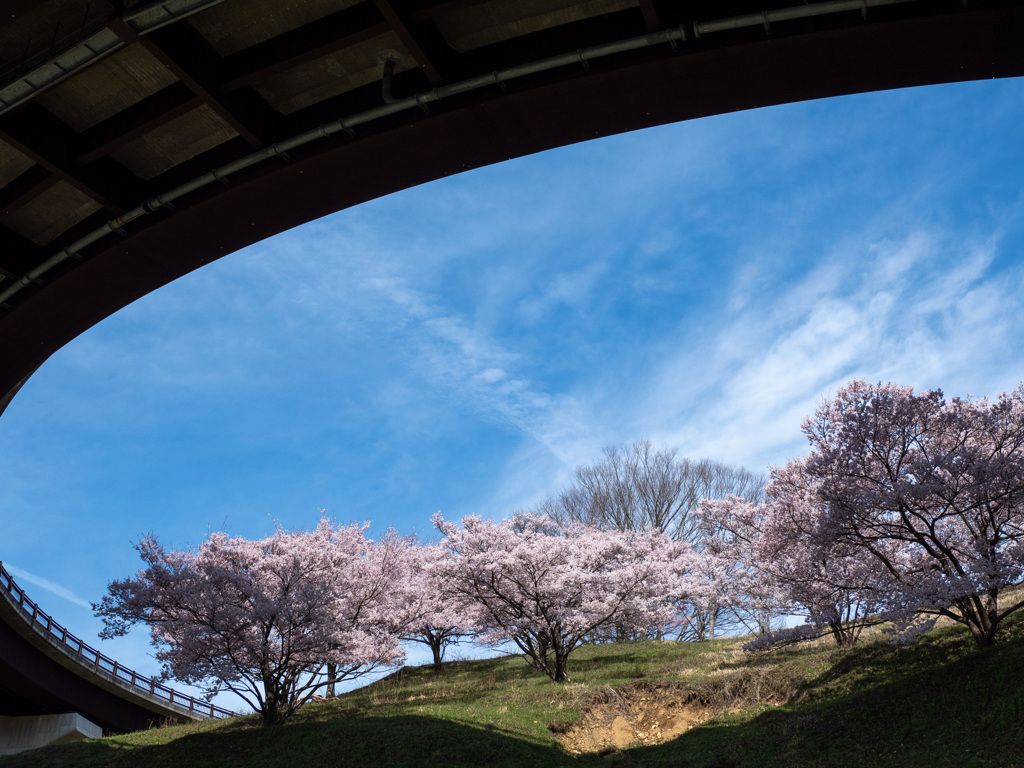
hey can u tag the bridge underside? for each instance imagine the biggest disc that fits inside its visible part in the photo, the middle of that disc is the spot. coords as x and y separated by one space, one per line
33 683
187 95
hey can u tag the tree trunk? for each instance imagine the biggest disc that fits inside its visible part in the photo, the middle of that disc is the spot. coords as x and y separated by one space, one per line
984 634
844 638
332 678
981 615
435 647
271 712
561 671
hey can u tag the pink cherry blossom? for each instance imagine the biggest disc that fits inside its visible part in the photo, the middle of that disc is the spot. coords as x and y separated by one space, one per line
736 580
547 587
437 614
930 491
264 618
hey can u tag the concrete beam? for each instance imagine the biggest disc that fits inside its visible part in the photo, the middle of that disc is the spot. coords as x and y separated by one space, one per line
19 734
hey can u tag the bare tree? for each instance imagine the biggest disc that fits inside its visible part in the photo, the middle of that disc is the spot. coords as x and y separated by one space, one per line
640 486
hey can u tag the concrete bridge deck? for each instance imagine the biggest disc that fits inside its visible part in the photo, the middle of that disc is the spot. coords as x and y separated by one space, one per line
46 670
146 139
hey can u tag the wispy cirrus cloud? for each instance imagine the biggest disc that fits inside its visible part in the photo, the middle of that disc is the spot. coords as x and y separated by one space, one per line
454 355
927 309
53 588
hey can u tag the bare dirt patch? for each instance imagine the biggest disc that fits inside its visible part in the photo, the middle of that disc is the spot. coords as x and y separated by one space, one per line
648 712
637 714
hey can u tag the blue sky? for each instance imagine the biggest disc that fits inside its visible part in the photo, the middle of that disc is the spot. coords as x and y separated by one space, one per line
461 346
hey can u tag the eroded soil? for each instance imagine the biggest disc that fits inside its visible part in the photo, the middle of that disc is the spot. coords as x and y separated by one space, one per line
638 714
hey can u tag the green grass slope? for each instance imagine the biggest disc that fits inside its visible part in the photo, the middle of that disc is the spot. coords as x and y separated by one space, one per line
939 703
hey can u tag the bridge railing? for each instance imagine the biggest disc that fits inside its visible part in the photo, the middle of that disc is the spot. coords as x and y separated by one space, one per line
91 658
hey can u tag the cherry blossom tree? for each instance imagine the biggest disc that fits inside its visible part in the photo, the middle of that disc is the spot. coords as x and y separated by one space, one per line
735 579
837 582
264 618
932 491
437 615
546 587
787 565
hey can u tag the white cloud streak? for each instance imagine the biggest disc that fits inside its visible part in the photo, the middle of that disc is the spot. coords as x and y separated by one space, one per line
924 310
455 356
45 584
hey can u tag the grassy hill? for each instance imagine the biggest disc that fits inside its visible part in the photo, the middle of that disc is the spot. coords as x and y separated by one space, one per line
939 703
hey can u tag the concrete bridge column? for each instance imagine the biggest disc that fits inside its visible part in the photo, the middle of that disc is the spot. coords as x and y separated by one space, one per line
18 734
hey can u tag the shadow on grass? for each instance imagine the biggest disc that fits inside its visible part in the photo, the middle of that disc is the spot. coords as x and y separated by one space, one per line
967 710
943 703
373 742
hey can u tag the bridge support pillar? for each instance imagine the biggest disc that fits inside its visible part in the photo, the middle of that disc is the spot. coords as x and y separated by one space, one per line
18 734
